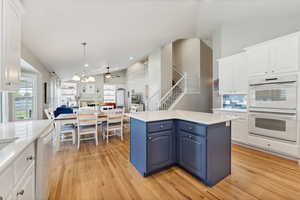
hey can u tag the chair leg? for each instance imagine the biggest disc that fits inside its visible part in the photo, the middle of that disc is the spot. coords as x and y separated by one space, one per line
106 136
121 132
78 144
96 137
73 137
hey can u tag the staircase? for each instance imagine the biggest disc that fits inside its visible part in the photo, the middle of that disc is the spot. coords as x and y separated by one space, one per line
172 96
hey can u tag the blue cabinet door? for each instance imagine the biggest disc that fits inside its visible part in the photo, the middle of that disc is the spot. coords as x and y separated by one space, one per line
192 153
160 150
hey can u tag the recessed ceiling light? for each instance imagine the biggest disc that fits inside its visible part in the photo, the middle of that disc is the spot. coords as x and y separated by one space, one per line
86 64
130 58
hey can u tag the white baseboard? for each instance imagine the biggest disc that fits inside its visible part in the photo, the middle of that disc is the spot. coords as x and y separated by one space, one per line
269 152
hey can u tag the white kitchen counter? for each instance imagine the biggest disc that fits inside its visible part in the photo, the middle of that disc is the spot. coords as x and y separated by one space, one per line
197 117
25 131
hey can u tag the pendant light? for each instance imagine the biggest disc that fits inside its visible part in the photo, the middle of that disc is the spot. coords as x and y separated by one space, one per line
84 44
76 78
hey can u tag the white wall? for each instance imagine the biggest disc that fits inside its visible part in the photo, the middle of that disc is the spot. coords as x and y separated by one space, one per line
187 56
167 68
154 72
98 96
236 36
193 102
137 80
43 76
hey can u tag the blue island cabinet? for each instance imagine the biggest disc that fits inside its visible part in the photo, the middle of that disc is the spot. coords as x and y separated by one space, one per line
202 150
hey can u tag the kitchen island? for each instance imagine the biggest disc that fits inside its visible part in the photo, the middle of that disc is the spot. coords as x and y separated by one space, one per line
198 142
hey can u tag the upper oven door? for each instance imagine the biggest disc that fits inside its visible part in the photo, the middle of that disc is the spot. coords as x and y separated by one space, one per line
273 95
280 126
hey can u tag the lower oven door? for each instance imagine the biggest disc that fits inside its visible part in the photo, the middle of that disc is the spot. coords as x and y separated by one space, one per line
279 126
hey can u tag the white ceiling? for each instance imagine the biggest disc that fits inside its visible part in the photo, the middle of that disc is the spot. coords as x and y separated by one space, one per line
118 29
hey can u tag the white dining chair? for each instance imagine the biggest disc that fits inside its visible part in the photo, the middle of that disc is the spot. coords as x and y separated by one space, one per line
87 126
114 124
67 131
49 114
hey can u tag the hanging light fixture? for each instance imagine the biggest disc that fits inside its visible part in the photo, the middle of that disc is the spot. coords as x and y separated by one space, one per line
91 79
76 78
107 74
84 44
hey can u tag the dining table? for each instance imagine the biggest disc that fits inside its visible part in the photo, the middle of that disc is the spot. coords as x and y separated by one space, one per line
70 118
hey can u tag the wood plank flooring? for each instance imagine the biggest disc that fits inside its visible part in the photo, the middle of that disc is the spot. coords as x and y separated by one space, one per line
104 172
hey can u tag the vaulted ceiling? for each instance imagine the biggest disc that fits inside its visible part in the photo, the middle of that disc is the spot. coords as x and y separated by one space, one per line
118 29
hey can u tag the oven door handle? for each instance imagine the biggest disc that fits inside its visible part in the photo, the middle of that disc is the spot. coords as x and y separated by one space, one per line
274 116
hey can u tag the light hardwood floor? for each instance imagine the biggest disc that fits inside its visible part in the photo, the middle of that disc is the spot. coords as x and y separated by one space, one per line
104 172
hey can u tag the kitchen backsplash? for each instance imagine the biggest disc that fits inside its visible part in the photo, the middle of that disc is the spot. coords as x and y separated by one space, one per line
235 101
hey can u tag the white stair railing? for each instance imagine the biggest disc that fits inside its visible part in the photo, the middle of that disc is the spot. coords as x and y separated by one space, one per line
172 95
179 87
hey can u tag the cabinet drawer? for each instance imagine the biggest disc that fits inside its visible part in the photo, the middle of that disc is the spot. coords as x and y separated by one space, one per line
6 182
25 189
160 126
192 128
25 159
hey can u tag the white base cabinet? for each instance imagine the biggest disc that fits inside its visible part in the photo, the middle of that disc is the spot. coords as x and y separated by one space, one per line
18 180
283 148
239 127
240 134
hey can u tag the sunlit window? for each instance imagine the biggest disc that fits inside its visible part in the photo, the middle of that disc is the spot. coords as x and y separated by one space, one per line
24 99
109 93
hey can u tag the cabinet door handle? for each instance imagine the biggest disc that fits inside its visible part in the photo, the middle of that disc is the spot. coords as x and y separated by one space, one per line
8 83
29 158
161 126
21 193
190 128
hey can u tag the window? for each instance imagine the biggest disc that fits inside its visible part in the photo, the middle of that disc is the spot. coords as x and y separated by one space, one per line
24 99
109 93
68 94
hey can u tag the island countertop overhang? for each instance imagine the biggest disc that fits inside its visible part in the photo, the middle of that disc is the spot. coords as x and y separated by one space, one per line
197 117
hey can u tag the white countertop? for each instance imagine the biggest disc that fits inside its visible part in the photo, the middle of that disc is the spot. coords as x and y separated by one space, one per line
232 110
25 131
197 117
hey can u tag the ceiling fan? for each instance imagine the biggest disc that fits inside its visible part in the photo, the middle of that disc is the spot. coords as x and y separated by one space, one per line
109 75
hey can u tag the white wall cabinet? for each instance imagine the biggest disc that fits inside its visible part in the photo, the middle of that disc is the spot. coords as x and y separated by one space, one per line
10 44
233 75
273 57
